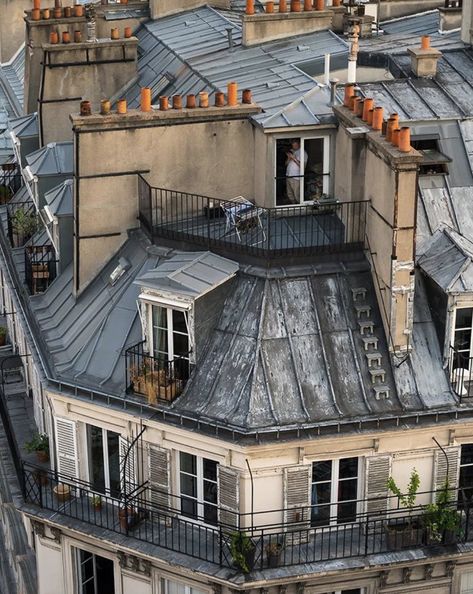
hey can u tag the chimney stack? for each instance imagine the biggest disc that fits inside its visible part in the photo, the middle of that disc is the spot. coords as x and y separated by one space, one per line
424 59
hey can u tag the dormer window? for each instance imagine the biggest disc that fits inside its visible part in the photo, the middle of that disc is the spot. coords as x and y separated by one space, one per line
170 333
463 337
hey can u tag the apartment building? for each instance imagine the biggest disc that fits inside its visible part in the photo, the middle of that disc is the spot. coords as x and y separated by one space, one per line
243 387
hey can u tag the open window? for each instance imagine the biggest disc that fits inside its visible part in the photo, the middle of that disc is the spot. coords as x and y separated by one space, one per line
302 170
94 573
198 485
434 161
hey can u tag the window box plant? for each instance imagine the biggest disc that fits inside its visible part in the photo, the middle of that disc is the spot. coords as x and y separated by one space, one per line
442 520
273 553
39 444
405 531
96 501
3 336
154 384
242 549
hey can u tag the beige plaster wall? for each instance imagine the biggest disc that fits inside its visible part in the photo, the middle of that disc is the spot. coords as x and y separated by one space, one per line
265 27
162 8
12 33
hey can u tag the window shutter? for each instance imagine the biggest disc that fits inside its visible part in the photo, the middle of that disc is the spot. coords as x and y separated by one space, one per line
297 484
378 469
229 495
440 467
127 466
158 475
66 448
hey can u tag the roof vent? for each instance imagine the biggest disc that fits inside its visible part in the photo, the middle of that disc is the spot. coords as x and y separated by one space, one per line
119 271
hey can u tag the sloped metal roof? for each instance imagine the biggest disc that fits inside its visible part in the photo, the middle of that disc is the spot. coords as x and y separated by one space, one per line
59 199
25 126
425 23
190 274
53 159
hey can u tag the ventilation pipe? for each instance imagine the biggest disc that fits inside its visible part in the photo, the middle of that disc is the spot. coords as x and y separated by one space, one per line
353 55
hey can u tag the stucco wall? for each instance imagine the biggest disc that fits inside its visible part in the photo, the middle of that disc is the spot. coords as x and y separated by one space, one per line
12 33
162 8
391 9
265 27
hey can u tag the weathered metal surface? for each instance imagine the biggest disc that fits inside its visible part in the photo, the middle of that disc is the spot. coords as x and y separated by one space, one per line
53 159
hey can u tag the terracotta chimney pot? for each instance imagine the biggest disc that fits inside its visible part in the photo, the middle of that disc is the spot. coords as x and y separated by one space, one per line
295 5
177 102
54 37
78 10
163 103
395 117
250 7
219 99
378 118
232 94
367 105
85 108
405 139
66 37
269 8
36 4
190 103
369 119
395 136
282 5
246 96
336 3
57 13
349 92
425 42
128 32
67 11
114 33
319 4
308 5
36 14
203 99
46 14
145 99
57 3
121 106
105 106
77 36
389 128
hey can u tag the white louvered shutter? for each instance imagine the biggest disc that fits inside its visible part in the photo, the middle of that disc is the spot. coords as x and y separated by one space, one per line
127 466
378 469
159 476
229 495
440 467
297 501
66 448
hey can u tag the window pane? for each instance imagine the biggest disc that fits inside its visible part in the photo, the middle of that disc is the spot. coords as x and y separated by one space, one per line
462 339
188 485
181 344
114 463
178 321
210 492
463 317
347 489
160 319
467 453
346 512
348 468
188 463
189 507
322 471
96 458
105 577
210 514
210 470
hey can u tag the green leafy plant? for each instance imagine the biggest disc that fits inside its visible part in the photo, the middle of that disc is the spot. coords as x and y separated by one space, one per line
96 501
23 222
39 443
407 499
442 518
242 549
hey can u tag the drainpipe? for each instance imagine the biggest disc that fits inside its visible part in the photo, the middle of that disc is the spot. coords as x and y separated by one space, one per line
252 493
327 70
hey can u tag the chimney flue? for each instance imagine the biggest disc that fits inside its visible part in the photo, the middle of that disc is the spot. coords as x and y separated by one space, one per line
145 99
333 90
424 58
177 102
232 94
246 96
229 31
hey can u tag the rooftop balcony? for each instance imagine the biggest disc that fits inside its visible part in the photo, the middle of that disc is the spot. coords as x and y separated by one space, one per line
239 228
460 371
316 534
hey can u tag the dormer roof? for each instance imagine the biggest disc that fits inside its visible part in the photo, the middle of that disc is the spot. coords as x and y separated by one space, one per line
59 199
53 159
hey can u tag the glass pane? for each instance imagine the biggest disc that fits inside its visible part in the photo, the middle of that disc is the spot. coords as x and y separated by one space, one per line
348 468
210 469
114 463
322 471
462 339
210 492
320 513
181 345
105 577
160 319
467 453
346 512
172 587
347 489
313 177
96 458
188 485
188 463
210 514
179 322
463 317
189 507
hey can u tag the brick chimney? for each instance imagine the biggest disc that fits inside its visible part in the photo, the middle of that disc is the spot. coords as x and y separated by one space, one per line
424 59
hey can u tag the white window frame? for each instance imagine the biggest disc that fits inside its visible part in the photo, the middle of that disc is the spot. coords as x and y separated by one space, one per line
454 328
325 165
334 487
170 330
200 485
75 548
188 587
105 455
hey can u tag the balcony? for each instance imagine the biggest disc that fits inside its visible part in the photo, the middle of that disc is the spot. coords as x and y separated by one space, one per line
22 222
159 380
460 372
10 182
40 267
238 227
157 518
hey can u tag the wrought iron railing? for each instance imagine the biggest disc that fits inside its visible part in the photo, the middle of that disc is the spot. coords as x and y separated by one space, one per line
22 222
10 182
460 373
159 379
318 227
155 517
40 267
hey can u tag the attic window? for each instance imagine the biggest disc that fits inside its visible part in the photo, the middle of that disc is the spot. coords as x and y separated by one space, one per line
434 161
169 336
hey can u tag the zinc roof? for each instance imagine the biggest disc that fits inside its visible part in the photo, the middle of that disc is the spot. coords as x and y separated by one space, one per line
53 159
59 199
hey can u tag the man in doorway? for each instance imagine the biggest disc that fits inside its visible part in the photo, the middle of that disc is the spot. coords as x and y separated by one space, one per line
293 171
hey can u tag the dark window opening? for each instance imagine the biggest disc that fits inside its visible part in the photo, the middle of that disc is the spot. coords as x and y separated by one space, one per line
434 161
94 574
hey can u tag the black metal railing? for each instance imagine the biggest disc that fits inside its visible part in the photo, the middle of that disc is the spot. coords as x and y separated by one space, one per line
155 517
460 372
22 222
40 267
157 378
318 227
10 182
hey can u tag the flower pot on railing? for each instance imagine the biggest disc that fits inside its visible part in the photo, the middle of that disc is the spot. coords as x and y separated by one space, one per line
128 517
62 492
242 549
273 554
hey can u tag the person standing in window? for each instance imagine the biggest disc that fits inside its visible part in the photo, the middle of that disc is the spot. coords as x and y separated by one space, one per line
293 171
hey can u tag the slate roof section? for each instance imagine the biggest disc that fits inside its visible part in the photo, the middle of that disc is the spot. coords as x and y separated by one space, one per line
59 199
25 126
449 261
55 158
425 23
189 274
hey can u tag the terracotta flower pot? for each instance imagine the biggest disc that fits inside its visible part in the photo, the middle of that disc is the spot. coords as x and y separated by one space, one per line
42 456
62 492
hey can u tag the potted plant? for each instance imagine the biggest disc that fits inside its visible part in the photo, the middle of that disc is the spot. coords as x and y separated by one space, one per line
242 549
3 336
5 194
39 444
273 553
24 225
62 492
128 517
405 532
442 521
96 501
